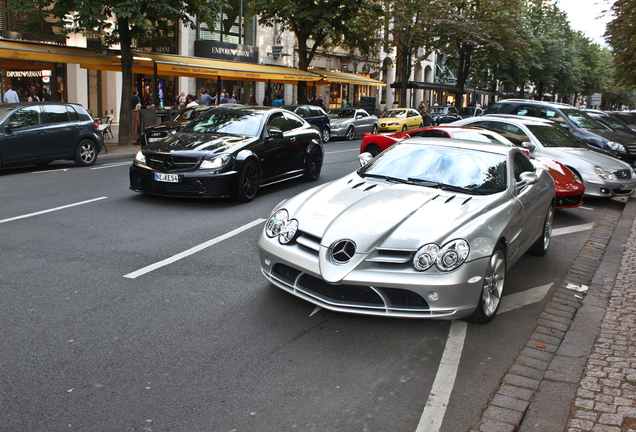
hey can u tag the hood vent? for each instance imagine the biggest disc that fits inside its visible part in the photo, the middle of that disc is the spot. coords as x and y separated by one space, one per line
450 199
467 199
370 187
357 185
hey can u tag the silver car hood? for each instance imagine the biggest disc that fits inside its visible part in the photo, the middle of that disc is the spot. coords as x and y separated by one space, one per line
606 162
340 120
378 214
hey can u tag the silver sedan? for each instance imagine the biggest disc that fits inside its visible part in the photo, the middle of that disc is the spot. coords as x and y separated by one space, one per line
427 229
602 174
351 122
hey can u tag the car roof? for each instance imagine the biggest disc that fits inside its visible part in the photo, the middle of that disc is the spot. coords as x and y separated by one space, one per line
517 118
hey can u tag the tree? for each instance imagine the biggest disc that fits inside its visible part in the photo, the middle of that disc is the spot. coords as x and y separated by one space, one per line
460 27
124 21
322 25
621 36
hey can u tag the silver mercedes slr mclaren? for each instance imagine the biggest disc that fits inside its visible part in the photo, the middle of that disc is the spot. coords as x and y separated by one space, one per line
427 229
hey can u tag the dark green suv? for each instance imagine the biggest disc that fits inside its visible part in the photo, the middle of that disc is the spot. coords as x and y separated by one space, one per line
41 132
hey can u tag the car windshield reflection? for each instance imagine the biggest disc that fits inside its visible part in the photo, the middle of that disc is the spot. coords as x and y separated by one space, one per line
448 168
550 136
343 113
225 121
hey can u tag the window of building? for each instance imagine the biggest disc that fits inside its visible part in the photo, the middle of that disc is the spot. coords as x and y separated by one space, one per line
234 25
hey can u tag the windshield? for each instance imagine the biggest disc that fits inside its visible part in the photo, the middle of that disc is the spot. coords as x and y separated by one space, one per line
394 113
188 114
435 110
467 111
227 121
4 111
475 171
551 136
344 113
583 120
611 121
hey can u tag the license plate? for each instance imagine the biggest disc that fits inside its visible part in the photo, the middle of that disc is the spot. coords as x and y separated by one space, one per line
625 187
168 178
153 139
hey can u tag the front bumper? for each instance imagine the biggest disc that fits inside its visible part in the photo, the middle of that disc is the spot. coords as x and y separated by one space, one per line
372 288
196 184
610 189
338 132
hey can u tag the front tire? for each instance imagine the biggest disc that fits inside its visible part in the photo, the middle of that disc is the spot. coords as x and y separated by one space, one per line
313 165
86 153
374 149
492 289
248 181
540 247
404 128
351 133
325 135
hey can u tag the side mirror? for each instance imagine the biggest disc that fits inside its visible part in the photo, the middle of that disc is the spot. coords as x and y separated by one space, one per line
365 158
275 132
528 178
528 146
14 125
359 116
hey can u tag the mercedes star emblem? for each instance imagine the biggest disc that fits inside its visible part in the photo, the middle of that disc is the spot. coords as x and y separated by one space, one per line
342 251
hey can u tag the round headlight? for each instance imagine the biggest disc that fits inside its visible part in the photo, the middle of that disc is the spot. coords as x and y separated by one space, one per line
425 257
276 223
605 175
452 255
289 232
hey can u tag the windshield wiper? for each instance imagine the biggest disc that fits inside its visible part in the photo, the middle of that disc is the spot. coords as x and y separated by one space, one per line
442 186
388 178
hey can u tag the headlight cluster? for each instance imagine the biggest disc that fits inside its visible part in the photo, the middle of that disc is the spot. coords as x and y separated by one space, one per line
393 124
140 158
279 225
215 163
447 258
605 175
619 148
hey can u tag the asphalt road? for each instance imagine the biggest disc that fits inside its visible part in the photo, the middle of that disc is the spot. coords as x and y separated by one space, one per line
99 333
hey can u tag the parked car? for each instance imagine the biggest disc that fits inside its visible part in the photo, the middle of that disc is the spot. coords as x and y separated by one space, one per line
427 229
162 130
351 122
628 116
568 187
313 115
400 120
602 174
613 121
229 151
442 114
584 127
466 112
41 132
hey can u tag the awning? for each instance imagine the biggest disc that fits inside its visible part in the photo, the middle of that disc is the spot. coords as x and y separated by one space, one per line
174 65
441 87
47 53
348 78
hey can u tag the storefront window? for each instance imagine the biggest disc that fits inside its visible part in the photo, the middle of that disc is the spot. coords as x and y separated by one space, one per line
233 27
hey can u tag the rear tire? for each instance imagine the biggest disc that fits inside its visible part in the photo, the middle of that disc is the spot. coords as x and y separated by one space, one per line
540 247
351 133
492 289
248 181
375 129
325 135
86 153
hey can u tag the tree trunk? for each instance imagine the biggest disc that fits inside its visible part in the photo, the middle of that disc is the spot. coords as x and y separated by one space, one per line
462 74
540 91
125 109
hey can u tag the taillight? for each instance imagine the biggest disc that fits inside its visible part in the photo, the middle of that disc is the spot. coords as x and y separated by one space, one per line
96 126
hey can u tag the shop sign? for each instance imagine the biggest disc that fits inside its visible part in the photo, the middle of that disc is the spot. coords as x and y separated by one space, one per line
23 74
226 51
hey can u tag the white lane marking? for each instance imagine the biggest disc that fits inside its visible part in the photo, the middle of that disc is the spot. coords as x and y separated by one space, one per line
50 171
51 210
572 229
111 165
343 151
435 409
524 298
586 208
193 250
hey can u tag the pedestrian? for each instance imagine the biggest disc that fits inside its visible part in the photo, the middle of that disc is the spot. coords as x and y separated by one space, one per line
232 99
135 99
253 101
278 101
224 98
46 96
33 97
190 102
11 96
206 99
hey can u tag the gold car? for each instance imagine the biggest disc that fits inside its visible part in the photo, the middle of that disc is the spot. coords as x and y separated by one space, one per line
400 120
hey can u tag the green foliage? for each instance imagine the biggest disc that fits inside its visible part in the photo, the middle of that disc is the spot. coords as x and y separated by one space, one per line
621 36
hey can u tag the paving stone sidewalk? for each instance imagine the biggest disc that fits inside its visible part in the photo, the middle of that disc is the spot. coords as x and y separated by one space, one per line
577 372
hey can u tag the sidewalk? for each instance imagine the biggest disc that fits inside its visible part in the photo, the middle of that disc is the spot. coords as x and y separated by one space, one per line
116 150
577 372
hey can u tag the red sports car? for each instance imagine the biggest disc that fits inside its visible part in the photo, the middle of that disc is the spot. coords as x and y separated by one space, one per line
568 187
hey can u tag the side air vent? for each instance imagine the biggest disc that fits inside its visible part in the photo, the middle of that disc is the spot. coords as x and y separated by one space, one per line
370 187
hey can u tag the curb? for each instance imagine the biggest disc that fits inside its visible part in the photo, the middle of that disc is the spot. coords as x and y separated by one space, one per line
538 390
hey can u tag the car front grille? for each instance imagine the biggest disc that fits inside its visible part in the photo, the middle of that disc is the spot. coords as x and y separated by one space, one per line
354 298
623 174
166 162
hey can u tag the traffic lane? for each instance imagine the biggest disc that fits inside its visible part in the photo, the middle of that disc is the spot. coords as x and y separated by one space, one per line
210 343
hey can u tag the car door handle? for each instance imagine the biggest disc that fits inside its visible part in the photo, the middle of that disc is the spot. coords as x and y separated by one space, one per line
292 138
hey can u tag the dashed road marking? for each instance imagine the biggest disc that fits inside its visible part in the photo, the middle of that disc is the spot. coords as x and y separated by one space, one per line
51 210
